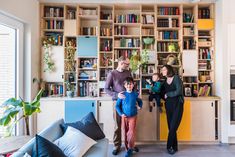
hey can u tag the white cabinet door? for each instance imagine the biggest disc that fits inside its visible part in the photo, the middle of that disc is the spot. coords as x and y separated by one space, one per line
105 116
146 127
190 64
203 120
231 41
58 58
50 112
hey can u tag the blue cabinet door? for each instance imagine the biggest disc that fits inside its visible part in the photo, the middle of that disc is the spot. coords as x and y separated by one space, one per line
76 109
87 47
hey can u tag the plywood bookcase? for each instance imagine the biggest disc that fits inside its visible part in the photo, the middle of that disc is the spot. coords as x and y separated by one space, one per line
181 34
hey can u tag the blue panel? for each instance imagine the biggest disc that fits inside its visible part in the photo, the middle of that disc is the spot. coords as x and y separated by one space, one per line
76 109
87 46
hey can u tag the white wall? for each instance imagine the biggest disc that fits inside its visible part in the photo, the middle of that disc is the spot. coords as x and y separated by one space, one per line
26 11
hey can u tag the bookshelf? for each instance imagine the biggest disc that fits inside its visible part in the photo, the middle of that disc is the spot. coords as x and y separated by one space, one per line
177 34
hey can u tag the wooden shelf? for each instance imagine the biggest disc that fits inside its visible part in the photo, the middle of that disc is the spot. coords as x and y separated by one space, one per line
108 67
127 24
168 40
168 16
106 21
126 36
89 17
87 69
167 52
147 25
189 83
189 24
130 48
86 79
108 52
53 18
168 28
53 30
106 37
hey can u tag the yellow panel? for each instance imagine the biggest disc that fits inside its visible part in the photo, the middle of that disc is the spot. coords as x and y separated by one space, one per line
205 24
184 130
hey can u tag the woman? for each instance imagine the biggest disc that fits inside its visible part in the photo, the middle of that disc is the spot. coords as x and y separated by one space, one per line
174 100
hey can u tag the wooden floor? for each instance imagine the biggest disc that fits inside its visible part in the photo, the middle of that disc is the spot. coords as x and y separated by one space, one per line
184 151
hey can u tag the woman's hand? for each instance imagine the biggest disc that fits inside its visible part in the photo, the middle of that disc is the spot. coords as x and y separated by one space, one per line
121 95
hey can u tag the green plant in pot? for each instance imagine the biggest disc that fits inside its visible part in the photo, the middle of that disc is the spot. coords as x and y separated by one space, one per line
70 89
12 107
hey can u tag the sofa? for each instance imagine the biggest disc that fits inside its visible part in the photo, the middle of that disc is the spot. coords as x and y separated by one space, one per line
53 132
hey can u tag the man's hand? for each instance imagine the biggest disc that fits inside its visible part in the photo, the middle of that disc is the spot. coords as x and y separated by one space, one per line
124 116
121 95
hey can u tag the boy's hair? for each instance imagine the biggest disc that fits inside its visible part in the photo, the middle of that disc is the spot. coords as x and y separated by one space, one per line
129 80
157 74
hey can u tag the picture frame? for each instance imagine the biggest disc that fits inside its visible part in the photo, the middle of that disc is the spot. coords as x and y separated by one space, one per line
187 91
151 69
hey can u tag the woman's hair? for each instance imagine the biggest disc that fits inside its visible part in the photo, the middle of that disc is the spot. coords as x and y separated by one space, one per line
170 70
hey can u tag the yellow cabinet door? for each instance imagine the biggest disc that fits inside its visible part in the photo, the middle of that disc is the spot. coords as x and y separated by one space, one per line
184 130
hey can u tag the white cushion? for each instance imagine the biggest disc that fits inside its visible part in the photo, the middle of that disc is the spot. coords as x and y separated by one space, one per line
26 155
74 143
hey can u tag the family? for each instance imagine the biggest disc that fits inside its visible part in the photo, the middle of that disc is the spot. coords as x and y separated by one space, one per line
126 103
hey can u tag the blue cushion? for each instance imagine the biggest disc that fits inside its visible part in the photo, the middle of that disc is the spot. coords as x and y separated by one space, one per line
87 125
45 148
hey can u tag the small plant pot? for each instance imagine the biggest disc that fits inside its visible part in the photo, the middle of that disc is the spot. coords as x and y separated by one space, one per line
70 94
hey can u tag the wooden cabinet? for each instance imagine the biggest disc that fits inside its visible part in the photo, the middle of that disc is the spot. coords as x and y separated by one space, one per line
105 118
203 120
76 109
190 58
50 112
146 127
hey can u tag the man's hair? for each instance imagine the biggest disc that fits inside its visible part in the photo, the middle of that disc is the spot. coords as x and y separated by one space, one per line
129 80
122 58
157 74
170 70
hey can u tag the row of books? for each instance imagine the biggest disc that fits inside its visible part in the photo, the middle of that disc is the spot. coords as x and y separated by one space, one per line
120 30
127 42
205 53
163 46
106 15
147 31
147 19
105 31
106 45
54 89
204 65
125 53
167 35
54 24
204 13
87 62
168 23
128 18
188 31
89 30
168 11
53 12
57 36
189 44
204 91
87 89
87 11
104 73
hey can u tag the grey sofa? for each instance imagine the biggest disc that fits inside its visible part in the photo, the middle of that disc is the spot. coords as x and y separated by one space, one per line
53 132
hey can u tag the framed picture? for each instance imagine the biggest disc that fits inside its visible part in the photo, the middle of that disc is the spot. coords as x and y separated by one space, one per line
187 91
151 69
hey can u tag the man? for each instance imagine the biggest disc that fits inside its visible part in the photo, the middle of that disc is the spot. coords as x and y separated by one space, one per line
113 87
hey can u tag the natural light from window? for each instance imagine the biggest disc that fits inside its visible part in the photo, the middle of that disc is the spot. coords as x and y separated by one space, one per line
7 66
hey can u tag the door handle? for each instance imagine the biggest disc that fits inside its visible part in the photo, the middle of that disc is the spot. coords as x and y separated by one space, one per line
212 104
100 104
93 105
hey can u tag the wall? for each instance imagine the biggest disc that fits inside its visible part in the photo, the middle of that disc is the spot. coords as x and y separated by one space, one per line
26 11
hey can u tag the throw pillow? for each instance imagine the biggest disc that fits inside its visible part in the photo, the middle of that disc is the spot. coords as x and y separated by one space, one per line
44 147
74 143
26 155
87 125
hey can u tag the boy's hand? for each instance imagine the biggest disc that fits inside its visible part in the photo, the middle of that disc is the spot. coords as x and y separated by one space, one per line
165 96
139 108
121 95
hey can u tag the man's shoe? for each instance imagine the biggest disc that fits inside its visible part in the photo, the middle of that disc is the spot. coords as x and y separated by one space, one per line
171 151
115 152
129 153
136 149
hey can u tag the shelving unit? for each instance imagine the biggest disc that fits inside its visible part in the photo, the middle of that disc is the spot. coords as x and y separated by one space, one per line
181 33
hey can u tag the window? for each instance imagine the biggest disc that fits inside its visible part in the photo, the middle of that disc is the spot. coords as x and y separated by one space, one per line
11 33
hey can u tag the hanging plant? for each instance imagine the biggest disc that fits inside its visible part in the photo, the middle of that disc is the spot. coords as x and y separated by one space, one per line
47 43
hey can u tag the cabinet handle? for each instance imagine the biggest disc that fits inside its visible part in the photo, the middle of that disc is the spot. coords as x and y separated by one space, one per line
100 103
212 104
92 105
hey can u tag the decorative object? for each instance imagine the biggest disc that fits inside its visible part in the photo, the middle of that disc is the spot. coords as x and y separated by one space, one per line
47 58
151 69
187 91
171 59
70 54
13 106
173 47
70 89
137 60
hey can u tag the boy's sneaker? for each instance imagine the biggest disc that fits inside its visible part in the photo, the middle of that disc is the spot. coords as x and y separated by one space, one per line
115 151
136 149
129 153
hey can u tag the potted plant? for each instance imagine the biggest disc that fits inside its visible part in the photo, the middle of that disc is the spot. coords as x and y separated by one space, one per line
70 89
136 61
47 45
14 106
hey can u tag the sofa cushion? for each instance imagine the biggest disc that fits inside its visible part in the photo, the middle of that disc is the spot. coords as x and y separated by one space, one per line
87 125
74 143
100 149
44 147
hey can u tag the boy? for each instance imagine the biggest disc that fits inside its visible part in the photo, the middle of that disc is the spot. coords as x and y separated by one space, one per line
155 90
127 109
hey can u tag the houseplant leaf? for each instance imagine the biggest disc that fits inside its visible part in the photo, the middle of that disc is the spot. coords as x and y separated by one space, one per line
13 102
8 115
